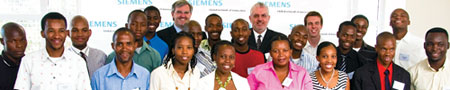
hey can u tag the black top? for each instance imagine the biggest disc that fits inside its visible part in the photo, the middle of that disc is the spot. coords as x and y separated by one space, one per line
353 60
8 73
368 78
368 52
169 33
265 44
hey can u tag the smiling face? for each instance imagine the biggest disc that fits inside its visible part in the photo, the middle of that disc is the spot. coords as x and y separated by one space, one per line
298 37
346 37
362 26
314 25
327 58
14 42
280 53
181 15
183 50
240 32
214 27
138 24
80 32
386 50
436 46
54 34
399 19
225 58
259 18
124 46
154 18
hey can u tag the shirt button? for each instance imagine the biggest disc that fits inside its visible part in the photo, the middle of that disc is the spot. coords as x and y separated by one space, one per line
55 64
54 77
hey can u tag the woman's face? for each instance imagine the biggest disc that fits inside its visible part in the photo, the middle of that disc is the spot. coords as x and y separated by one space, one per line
225 58
280 52
183 50
327 58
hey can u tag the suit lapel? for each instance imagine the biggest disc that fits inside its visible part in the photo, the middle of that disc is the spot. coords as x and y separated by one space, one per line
252 40
375 76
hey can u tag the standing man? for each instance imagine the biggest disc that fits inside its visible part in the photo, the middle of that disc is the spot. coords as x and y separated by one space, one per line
53 67
410 48
382 74
298 38
144 55
153 20
348 60
313 22
122 73
213 25
14 42
79 34
362 23
181 14
261 36
246 58
432 73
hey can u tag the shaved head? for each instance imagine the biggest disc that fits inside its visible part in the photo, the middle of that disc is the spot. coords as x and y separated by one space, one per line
77 19
14 41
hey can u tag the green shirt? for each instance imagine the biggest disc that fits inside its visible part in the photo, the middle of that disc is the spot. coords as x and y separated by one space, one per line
147 57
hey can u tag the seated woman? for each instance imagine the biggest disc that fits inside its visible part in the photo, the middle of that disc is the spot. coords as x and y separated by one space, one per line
328 78
223 53
178 71
279 74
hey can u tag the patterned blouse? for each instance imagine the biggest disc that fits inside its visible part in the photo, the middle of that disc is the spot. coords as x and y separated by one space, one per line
341 85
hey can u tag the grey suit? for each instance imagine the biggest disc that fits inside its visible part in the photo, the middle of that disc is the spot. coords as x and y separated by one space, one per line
95 59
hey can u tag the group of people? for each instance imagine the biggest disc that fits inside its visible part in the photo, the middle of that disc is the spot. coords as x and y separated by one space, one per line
184 57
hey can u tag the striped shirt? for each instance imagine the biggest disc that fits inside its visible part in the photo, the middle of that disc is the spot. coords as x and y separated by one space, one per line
341 85
204 60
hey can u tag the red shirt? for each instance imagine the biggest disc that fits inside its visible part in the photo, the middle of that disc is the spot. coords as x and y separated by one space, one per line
246 60
381 70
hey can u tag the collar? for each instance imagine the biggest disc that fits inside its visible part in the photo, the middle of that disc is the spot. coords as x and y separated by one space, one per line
177 28
245 52
112 70
292 66
382 69
149 40
205 45
446 64
45 55
143 47
262 34
172 71
77 51
7 61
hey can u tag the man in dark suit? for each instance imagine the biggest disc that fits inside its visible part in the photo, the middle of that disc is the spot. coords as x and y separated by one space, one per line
181 13
382 74
261 35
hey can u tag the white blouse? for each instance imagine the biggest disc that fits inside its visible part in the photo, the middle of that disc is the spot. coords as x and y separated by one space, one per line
163 78
207 82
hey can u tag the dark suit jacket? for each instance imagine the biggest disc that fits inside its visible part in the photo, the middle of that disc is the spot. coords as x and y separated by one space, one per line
266 42
169 33
368 52
353 60
368 78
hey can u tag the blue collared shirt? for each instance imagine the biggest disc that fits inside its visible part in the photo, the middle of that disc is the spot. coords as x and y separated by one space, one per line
108 78
159 45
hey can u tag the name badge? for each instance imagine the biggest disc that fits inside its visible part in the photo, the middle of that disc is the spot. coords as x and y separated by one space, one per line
404 57
137 89
287 82
398 85
65 86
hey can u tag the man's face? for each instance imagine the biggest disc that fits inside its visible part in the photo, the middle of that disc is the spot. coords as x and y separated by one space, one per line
361 25
347 37
214 27
124 46
225 58
436 46
196 32
153 19
259 18
386 50
80 33
138 24
54 34
314 25
240 33
280 52
14 43
299 37
181 15
399 19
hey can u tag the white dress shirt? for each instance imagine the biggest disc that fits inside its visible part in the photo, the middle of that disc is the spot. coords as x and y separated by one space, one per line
311 49
409 51
166 78
207 82
424 77
39 71
262 35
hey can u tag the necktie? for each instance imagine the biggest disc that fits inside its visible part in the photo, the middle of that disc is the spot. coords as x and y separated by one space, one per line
343 66
386 80
258 43
83 56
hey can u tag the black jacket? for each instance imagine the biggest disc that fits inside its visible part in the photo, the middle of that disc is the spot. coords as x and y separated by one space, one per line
266 42
368 78
368 52
169 33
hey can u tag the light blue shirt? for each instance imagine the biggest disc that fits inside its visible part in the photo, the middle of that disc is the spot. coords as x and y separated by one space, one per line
159 45
307 61
108 78
176 29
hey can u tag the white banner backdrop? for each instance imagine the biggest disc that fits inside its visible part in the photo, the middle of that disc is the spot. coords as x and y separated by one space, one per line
105 16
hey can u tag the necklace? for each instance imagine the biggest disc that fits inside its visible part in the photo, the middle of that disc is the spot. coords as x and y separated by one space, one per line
323 79
222 86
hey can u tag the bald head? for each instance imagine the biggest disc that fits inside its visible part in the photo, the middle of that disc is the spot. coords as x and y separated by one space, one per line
14 41
78 19
79 32
10 27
